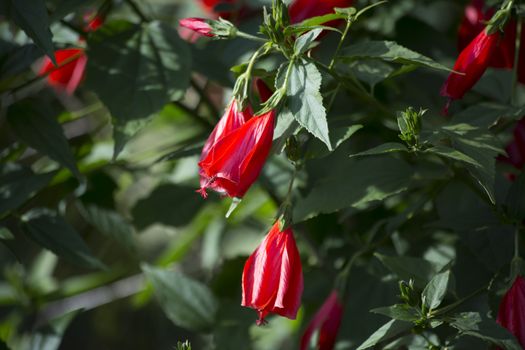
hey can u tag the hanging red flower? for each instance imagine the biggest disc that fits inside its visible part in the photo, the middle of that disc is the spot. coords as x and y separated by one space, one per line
272 280
69 72
511 314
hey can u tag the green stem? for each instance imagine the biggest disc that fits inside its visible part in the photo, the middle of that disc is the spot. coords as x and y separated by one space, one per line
137 10
340 44
250 37
514 95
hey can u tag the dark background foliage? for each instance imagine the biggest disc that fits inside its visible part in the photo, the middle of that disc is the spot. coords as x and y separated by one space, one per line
104 243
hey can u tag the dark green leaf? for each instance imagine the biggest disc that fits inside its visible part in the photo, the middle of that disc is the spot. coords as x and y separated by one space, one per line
188 303
388 51
471 323
5 233
135 70
357 183
453 154
109 223
305 101
172 205
302 44
382 149
371 71
386 332
515 200
39 129
52 232
316 148
31 16
406 268
18 184
50 336
400 312
436 290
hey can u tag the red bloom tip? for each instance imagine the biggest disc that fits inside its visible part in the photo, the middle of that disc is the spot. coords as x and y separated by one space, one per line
327 321
264 91
299 10
472 61
199 25
69 72
511 314
236 150
272 280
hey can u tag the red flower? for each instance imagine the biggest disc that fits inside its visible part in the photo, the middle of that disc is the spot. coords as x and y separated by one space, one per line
472 61
511 313
474 22
299 10
93 22
199 25
327 320
272 280
70 71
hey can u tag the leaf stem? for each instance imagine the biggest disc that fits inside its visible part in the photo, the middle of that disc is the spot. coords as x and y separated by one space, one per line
250 37
340 44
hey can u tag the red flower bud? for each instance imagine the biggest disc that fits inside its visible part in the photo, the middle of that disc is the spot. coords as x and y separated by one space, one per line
299 10
70 71
473 61
327 321
272 280
199 25
511 313
93 23
236 150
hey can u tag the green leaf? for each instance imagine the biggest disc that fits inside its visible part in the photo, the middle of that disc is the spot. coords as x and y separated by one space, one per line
471 323
31 16
453 154
371 71
436 290
305 101
168 204
400 312
18 184
52 232
5 233
406 268
316 148
388 331
302 44
50 336
135 70
357 183
38 128
109 223
188 303
382 149
515 199
388 51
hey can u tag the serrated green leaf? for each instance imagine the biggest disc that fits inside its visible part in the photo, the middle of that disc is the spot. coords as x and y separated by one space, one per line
388 51
305 101
515 199
135 70
31 16
358 183
188 303
386 332
38 128
472 324
18 184
400 312
451 153
109 223
52 232
382 149
436 290
302 44
406 268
